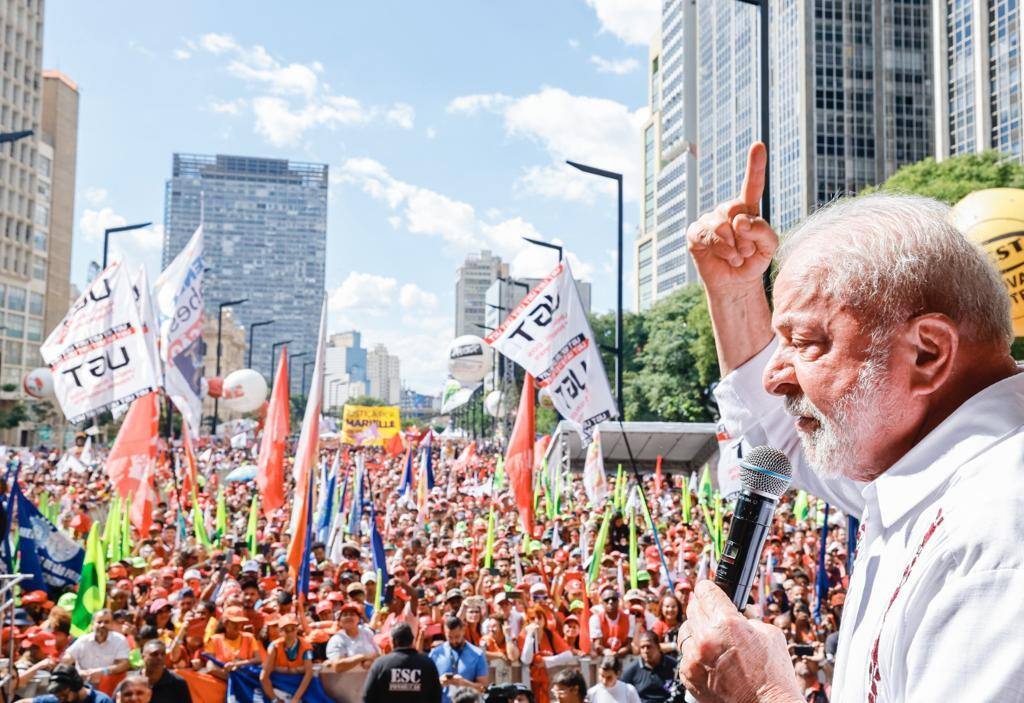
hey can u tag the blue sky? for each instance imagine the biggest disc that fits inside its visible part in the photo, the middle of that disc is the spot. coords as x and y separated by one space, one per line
445 125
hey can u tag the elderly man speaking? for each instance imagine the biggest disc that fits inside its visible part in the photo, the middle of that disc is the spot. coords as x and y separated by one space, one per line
884 373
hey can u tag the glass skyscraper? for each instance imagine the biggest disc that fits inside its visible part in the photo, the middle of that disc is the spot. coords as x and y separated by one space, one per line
265 237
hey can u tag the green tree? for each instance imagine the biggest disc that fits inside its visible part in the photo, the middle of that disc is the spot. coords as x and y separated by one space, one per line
953 178
365 400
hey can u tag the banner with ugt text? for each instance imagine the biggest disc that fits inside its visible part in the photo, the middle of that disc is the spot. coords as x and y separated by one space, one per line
369 425
548 334
98 354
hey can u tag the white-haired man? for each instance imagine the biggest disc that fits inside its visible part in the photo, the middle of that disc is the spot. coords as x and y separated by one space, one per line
884 372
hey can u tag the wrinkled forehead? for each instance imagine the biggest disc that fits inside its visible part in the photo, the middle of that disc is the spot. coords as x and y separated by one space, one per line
800 289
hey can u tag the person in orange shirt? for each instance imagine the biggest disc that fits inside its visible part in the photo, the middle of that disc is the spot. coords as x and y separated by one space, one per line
288 654
233 648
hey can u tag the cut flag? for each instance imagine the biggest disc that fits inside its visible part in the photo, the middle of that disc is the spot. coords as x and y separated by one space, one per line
92 587
306 453
394 445
270 464
519 459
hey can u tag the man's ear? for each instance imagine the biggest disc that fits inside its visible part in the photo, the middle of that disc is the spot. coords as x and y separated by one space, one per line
934 340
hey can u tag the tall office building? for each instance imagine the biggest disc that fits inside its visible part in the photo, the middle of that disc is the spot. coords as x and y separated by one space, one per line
978 97
472 280
384 373
60 132
265 232
345 369
851 98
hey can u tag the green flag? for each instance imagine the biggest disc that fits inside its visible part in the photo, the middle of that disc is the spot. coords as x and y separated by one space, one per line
92 586
198 522
377 591
112 530
250 530
687 503
801 507
719 535
489 549
705 492
598 551
126 528
499 473
220 525
632 550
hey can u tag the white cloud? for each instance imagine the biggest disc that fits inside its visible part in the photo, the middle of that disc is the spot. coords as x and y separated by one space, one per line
134 247
574 44
365 292
597 131
413 298
472 104
138 46
401 114
429 213
182 54
95 196
290 98
227 107
431 132
619 67
632 21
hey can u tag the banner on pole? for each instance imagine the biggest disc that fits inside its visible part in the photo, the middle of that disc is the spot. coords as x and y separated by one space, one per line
179 300
370 425
455 395
549 335
50 558
98 354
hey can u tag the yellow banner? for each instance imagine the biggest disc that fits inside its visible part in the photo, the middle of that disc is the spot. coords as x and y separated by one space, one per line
369 425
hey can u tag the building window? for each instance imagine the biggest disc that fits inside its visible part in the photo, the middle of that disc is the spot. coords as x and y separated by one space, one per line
44 166
16 299
39 269
12 353
35 304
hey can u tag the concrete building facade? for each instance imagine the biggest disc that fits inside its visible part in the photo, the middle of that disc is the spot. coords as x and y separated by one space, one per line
472 280
384 373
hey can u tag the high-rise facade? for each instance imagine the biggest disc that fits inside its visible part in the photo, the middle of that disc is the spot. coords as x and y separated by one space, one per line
384 373
851 96
60 132
265 235
25 188
472 280
978 96
345 368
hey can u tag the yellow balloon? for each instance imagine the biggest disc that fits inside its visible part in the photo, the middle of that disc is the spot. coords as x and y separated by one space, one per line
994 219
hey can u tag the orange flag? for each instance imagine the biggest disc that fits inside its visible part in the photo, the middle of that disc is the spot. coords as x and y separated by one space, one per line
394 445
132 459
189 481
519 459
270 464
657 478
306 454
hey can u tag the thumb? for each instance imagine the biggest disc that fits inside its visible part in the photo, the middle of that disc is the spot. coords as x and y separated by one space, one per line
714 601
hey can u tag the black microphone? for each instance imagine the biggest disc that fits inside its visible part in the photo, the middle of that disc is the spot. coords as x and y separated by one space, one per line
765 474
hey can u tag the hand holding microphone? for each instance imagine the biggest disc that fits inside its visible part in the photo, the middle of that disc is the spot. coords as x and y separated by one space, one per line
725 657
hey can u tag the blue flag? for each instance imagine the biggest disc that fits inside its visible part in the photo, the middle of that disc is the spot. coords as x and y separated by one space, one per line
429 464
821 582
303 581
377 544
355 513
323 523
51 558
244 686
406 484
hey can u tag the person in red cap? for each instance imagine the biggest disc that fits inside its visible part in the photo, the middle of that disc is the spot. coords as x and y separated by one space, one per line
288 654
39 652
36 604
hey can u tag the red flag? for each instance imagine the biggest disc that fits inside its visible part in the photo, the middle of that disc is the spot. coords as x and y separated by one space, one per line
189 481
270 464
394 446
132 459
540 449
519 459
657 478
306 455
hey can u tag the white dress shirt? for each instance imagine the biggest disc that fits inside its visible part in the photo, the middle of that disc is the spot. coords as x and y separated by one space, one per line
935 606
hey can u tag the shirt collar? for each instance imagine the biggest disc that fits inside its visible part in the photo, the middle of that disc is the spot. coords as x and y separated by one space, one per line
971 429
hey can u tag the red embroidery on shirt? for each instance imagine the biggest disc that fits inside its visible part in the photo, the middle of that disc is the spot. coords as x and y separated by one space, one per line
860 538
874 673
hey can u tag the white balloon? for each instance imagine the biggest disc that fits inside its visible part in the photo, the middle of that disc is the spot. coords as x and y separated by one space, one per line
38 383
469 359
492 403
244 390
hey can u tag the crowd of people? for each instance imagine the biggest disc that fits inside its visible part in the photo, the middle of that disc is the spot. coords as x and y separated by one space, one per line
468 612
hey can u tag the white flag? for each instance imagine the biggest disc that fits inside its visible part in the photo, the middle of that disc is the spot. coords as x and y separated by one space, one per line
594 480
147 313
97 354
548 335
179 300
238 441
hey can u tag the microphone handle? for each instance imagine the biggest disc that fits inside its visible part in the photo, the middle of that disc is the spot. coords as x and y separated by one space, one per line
748 531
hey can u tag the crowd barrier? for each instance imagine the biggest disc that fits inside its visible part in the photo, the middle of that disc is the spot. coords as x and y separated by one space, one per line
347 687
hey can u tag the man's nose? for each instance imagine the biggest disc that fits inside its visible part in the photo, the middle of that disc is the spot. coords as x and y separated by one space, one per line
779 376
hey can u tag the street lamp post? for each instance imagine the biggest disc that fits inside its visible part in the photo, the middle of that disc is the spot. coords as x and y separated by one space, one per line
220 323
113 230
617 177
252 328
546 245
273 353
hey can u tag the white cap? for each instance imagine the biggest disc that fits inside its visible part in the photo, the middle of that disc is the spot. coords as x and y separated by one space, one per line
369 577
538 588
192 574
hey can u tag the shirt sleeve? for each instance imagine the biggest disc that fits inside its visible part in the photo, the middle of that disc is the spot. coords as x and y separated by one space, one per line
595 626
122 650
966 642
751 412
335 648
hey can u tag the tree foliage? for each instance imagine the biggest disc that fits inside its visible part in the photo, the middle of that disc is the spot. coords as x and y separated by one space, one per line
953 178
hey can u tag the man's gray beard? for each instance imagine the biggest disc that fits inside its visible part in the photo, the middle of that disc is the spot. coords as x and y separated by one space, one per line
831 449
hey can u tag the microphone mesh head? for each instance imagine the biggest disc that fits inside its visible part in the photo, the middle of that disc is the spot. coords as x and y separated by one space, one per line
766 470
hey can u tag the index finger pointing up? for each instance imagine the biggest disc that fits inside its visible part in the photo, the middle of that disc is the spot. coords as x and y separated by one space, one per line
753 182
